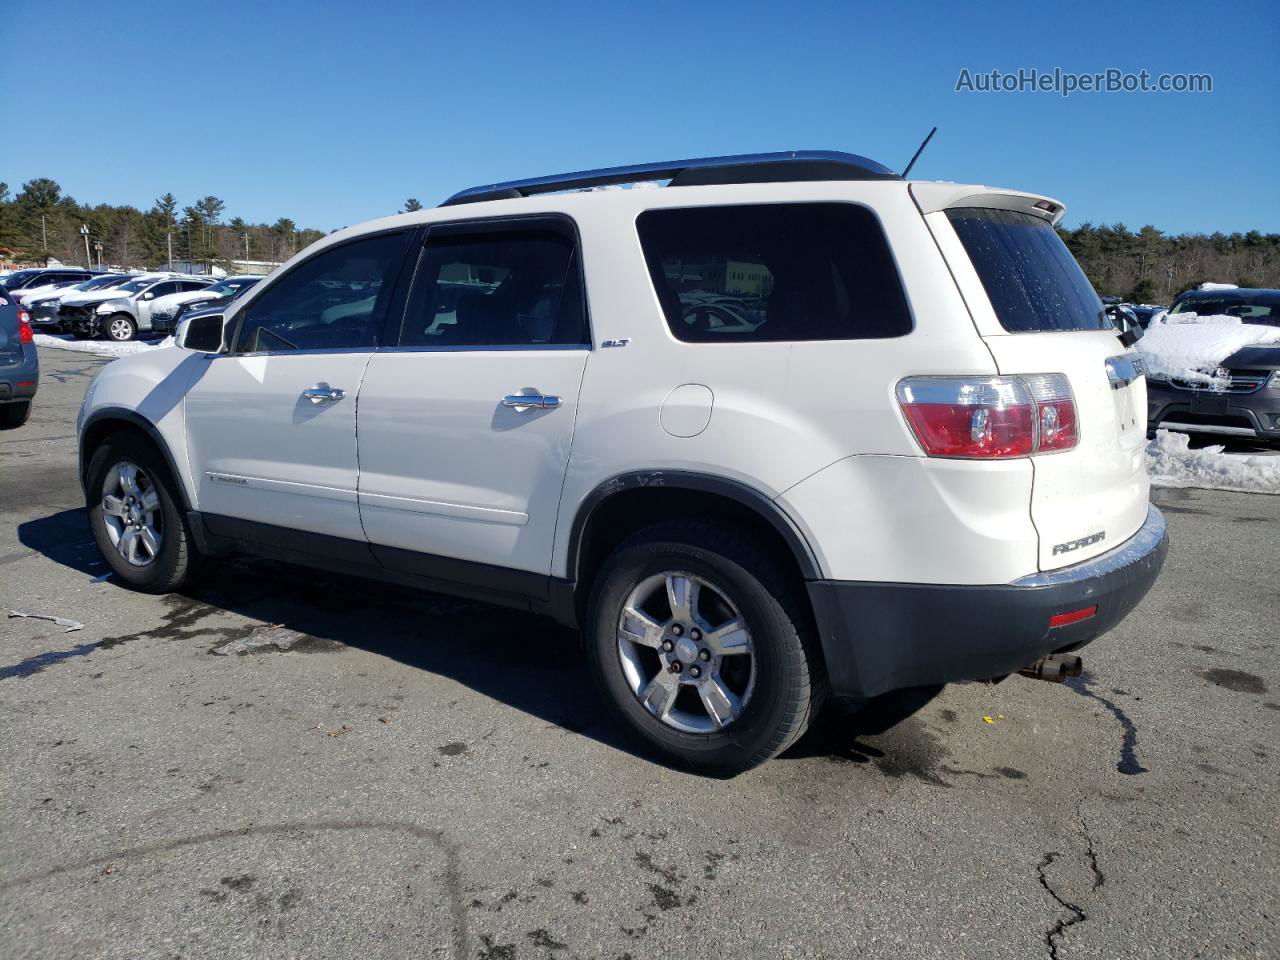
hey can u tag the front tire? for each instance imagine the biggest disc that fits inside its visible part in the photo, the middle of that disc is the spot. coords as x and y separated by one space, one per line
14 415
120 328
136 516
701 642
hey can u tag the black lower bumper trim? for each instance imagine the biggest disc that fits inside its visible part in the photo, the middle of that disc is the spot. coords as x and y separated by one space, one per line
878 637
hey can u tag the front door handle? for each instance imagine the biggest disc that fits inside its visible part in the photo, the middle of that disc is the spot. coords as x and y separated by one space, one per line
524 402
323 393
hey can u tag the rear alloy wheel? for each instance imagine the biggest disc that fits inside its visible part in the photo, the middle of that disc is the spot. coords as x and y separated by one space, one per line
701 641
120 328
135 518
686 652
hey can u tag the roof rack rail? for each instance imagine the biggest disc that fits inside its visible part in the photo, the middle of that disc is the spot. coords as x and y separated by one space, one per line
792 165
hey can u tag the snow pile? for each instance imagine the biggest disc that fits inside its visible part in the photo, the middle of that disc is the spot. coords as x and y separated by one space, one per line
102 348
1207 285
1172 463
1193 348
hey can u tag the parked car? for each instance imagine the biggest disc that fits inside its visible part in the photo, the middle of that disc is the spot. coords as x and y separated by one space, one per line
1145 311
121 317
922 464
77 311
30 279
166 313
43 309
19 364
1247 404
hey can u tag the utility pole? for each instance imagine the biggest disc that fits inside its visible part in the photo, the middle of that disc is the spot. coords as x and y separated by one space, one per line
169 237
44 235
88 257
245 236
97 246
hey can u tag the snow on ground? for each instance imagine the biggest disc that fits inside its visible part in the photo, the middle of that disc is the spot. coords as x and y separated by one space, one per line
1172 463
1192 348
102 348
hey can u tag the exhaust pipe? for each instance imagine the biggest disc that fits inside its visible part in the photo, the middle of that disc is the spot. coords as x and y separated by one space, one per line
1054 668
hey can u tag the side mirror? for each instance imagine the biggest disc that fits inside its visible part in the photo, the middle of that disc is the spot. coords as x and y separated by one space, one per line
1128 329
201 334
148 296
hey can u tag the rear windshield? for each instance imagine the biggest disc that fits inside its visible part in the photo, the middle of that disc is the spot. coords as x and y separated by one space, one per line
1032 280
1249 307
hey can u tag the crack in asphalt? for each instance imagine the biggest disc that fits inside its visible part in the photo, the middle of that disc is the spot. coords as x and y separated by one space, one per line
1079 916
1078 913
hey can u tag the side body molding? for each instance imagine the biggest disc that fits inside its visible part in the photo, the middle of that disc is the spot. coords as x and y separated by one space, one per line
734 490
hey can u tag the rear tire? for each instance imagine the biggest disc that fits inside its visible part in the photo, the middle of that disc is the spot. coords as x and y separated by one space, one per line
136 515
14 415
727 711
120 328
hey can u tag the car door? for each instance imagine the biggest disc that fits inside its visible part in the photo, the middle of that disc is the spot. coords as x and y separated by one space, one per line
465 424
145 300
271 424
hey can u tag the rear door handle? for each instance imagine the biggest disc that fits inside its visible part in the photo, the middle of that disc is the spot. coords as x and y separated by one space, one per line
524 402
323 393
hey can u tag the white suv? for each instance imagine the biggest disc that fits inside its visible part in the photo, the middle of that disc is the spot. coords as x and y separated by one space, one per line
787 427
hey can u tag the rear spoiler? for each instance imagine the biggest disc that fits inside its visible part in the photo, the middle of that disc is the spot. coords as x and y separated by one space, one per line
932 196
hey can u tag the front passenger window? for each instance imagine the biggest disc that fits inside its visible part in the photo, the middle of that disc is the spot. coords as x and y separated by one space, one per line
336 300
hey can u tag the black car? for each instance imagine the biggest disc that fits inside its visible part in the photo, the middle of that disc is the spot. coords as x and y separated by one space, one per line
39 276
1248 404
1144 312
219 295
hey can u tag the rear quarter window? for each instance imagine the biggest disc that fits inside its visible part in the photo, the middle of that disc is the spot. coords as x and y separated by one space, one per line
1031 279
772 272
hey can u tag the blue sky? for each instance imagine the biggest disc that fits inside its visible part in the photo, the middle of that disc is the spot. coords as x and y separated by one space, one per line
333 113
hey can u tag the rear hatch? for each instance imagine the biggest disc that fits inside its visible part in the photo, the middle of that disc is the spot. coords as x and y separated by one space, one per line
1037 313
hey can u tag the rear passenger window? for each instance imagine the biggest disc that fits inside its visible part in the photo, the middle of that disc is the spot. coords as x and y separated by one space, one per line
790 271
336 300
480 286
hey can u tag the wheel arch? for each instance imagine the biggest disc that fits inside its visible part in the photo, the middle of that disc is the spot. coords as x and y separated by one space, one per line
624 504
102 423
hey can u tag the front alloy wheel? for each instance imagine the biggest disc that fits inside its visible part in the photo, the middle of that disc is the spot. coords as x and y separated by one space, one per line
686 652
120 328
131 514
136 516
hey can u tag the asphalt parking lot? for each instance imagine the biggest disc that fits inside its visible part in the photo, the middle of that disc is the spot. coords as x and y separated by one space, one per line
282 763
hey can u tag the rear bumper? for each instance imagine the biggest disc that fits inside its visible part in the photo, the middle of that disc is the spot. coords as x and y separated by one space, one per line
21 380
878 637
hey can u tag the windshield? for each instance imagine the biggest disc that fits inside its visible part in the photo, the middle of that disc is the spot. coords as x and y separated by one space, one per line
219 289
1032 280
99 282
16 280
1261 307
133 286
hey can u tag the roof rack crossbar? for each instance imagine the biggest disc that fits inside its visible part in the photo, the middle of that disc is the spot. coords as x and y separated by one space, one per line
743 168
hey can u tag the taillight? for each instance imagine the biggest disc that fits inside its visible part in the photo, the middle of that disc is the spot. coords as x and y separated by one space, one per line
25 334
990 417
